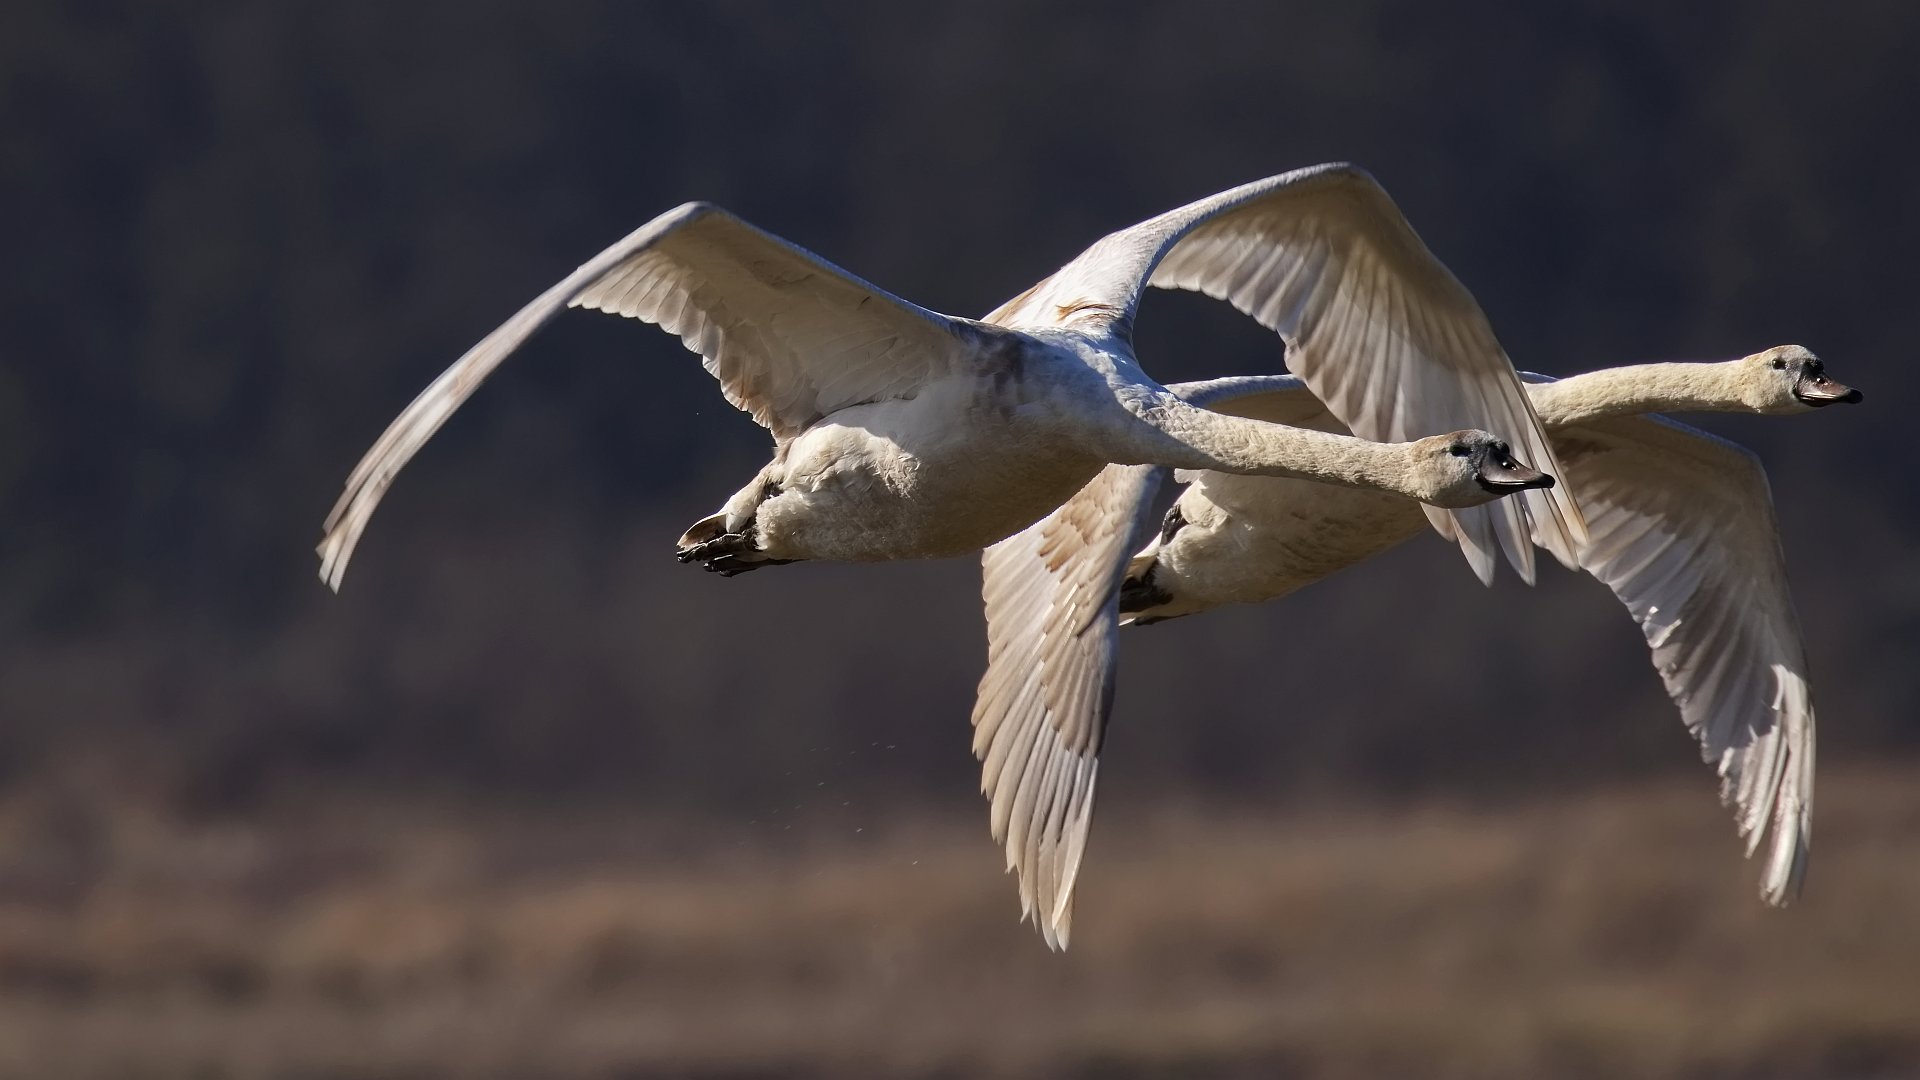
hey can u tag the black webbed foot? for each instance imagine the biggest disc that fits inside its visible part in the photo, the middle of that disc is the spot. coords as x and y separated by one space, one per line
1140 593
729 565
727 554
722 545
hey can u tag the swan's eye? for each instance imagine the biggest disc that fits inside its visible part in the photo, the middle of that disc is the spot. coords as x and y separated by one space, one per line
1779 364
1458 450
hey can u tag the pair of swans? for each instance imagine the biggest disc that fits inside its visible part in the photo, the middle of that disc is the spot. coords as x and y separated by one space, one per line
1681 529
903 433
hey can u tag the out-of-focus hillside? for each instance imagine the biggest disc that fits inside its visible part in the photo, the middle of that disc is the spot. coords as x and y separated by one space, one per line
245 235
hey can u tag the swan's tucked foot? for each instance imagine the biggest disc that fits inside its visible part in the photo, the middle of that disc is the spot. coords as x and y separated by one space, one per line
1139 594
726 553
719 551
729 565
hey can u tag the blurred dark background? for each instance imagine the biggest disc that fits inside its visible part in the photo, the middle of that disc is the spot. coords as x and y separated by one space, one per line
242 236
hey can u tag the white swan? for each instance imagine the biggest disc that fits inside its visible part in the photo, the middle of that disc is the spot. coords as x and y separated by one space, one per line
901 433
1682 531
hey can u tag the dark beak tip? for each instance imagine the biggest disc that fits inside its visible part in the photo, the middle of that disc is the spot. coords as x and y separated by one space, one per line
1847 396
1517 479
1825 391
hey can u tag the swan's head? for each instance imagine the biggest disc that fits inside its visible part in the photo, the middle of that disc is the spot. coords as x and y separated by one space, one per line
1467 468
1789 379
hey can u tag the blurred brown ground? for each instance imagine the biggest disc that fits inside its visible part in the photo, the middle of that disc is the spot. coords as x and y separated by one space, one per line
1611 934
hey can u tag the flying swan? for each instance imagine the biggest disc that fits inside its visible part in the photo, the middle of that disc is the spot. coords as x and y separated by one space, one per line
1682 530
903 433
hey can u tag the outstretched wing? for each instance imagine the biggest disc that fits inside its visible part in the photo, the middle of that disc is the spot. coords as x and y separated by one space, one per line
1376 325
790 336
1684 534
1052 600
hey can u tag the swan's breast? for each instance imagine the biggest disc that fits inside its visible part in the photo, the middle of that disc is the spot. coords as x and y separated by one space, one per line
965 462
1254 538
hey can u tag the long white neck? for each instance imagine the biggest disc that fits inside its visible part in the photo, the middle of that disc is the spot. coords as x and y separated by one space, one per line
1185 437
1640 388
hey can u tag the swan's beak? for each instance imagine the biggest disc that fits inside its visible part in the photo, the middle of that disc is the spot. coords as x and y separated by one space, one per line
1502 474
1814 388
